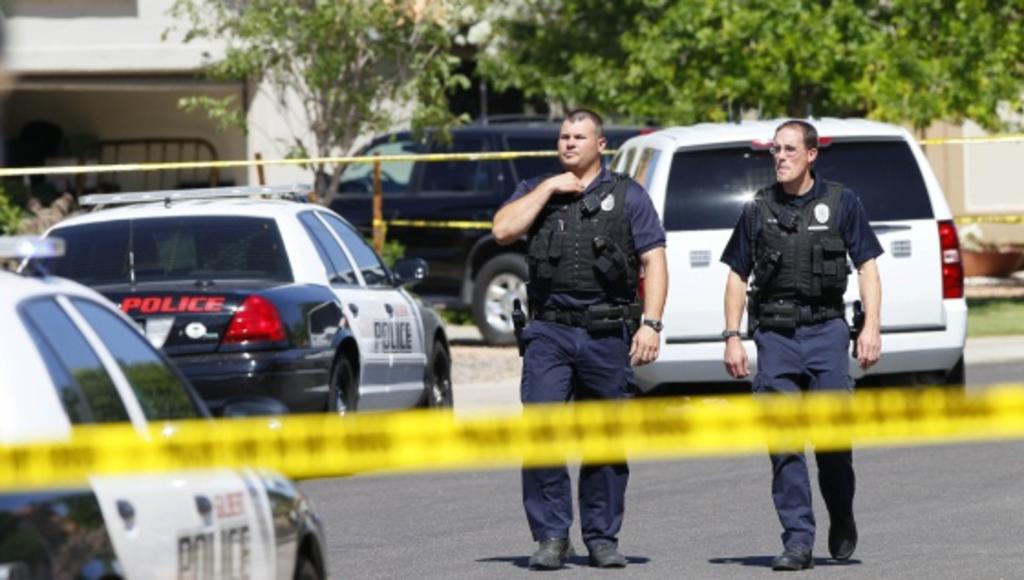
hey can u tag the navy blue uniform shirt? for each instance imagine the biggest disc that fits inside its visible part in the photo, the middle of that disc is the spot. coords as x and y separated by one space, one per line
861 241
648 232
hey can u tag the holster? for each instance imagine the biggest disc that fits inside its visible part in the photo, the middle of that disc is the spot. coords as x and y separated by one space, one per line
753 310
857 326
518 324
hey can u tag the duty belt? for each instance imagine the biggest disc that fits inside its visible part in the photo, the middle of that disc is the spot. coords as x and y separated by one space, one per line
596 317
781 314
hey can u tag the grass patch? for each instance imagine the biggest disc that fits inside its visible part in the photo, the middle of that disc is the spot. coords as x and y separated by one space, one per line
995 316
455 317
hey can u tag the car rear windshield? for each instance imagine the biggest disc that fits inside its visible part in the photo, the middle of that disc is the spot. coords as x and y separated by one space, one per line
708 187
172 249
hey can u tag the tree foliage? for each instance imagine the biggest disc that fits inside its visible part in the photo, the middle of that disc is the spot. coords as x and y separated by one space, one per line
352 67
684 61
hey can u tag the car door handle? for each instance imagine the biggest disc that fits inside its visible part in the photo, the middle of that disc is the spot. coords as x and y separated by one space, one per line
389 309
353 309
126 510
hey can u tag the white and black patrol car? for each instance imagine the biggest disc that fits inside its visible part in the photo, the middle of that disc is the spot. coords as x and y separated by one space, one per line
258 296
69 358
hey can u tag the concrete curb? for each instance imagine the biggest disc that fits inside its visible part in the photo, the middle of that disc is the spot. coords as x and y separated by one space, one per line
994 349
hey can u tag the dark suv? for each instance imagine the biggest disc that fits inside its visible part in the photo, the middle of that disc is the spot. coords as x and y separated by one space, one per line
468 269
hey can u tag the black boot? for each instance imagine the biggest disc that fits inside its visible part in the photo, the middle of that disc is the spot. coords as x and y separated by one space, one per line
552 554
842 538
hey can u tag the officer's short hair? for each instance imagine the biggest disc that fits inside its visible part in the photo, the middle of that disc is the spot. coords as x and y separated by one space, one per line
577 115
810 133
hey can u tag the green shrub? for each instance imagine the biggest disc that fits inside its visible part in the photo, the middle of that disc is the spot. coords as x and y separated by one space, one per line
10 215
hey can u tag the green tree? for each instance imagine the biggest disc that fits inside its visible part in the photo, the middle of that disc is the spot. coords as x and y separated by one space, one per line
350 66
684 61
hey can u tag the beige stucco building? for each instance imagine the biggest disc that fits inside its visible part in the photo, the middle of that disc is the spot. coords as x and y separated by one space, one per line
100 71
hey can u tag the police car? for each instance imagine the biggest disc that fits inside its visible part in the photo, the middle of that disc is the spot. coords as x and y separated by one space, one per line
700 176
70 358
259 296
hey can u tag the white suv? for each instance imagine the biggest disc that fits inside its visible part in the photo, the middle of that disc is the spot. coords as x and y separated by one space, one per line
700 176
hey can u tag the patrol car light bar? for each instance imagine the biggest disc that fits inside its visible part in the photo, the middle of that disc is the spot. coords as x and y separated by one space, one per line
294 192
21 247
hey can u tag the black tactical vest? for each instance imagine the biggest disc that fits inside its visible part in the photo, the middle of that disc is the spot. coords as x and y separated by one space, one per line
585 244
805 249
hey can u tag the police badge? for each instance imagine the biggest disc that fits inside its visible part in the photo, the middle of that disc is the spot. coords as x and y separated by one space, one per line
821 213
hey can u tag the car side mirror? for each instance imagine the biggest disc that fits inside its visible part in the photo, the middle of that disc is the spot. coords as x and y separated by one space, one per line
253 407
410 271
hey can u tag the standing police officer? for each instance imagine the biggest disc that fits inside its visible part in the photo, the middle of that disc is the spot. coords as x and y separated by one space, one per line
794 236
589 233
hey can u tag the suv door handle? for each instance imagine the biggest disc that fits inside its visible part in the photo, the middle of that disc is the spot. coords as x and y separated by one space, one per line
353 309
390 309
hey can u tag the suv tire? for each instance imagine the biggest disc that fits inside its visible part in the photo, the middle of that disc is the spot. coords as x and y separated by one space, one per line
499 282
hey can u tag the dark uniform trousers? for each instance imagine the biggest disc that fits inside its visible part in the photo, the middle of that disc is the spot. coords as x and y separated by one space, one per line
563 363
813 357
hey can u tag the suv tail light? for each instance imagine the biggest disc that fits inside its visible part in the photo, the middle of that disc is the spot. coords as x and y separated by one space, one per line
952 267
256 320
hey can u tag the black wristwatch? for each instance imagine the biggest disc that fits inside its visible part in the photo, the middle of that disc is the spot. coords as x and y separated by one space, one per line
727 334
655 324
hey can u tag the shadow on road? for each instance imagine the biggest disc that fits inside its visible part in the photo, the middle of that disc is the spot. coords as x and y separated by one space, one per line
580 561
766 561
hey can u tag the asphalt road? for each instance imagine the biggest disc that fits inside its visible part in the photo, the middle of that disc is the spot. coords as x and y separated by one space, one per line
953 511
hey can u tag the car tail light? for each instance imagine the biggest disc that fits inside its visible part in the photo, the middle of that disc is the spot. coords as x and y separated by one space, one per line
952 267
256 320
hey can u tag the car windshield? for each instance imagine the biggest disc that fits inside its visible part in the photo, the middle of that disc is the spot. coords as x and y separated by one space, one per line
172 249
708 187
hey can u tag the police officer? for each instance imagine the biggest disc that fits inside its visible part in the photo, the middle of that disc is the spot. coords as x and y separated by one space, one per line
794 236
589 232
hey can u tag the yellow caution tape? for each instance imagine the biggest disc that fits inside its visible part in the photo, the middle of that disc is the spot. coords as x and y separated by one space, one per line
429 157
989 219
1013 138
349 159
451 224
595 432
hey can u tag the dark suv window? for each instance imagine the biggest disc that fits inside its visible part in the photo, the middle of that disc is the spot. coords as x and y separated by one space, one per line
167 249
708 187
460 176
527 167
396 176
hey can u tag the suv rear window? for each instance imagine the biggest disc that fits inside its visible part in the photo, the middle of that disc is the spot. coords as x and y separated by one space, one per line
707 188
172 249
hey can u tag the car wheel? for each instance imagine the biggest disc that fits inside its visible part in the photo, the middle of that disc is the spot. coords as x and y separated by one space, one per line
500 281
343 396
439 378
305 569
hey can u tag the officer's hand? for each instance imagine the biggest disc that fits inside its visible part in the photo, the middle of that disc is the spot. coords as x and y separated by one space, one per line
869 347
644 349
736 363
565 183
